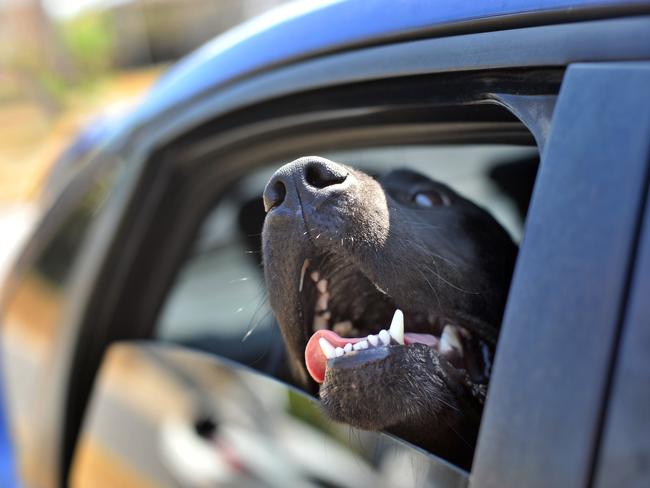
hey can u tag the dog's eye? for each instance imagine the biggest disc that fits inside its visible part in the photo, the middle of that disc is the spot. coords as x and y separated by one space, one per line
430 199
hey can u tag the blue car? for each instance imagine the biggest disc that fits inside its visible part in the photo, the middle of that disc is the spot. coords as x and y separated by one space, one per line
138 348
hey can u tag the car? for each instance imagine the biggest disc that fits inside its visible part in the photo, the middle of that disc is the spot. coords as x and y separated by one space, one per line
138 349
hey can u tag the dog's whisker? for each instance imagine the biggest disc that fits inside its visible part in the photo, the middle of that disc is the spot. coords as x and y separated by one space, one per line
440 277
256 319
433 289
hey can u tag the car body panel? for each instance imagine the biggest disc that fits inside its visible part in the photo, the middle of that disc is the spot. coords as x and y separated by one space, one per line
564 44
303 30
243 52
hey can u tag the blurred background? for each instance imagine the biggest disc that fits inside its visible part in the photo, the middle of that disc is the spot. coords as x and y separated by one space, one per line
68 64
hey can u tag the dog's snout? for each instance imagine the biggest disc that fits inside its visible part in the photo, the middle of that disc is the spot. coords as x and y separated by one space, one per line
304 177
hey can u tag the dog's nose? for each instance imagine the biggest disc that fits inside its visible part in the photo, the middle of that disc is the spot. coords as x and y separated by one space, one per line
304 176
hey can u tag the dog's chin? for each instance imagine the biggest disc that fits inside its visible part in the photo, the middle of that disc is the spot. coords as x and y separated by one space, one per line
370 389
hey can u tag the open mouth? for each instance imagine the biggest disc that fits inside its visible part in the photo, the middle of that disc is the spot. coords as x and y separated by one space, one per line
353 322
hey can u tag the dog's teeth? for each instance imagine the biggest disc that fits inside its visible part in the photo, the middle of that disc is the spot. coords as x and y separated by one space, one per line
373 340
321 303
347 347
384 336
327 348
396 330
450 339
315 276
338 352
322 286
360 345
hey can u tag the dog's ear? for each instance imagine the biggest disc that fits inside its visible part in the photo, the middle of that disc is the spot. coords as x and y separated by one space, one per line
516 179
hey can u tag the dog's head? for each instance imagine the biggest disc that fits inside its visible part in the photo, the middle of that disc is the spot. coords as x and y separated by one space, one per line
389 294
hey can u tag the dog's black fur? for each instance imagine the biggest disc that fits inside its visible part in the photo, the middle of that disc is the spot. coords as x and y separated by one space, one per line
380 249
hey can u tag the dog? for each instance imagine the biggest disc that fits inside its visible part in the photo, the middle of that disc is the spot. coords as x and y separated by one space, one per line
389 294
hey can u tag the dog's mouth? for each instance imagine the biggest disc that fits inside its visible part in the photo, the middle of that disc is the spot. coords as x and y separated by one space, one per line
354 323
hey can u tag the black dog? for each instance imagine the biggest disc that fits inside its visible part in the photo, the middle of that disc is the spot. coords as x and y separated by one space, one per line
346 256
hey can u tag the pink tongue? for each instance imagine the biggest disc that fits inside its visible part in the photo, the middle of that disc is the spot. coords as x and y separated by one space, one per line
316 360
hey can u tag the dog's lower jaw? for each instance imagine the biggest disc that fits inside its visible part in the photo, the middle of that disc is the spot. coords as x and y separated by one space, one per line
407 393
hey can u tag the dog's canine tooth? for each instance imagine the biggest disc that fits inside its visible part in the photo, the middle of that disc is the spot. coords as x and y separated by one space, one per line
338 352
347 348
450 339
373 340
396 330
322 286
315 276
327 348
384 336
360 345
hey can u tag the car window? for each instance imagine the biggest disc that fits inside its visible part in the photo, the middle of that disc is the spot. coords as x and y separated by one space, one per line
218 302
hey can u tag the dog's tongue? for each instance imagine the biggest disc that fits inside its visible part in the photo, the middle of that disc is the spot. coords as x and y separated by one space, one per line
315 357
316 360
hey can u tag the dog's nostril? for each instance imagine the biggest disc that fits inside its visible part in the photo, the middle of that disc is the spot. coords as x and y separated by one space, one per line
321 175
274 195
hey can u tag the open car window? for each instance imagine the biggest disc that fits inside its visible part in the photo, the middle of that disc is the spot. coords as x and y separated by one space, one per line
219 303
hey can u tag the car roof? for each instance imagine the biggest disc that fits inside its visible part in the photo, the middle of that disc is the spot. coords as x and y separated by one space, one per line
303 29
